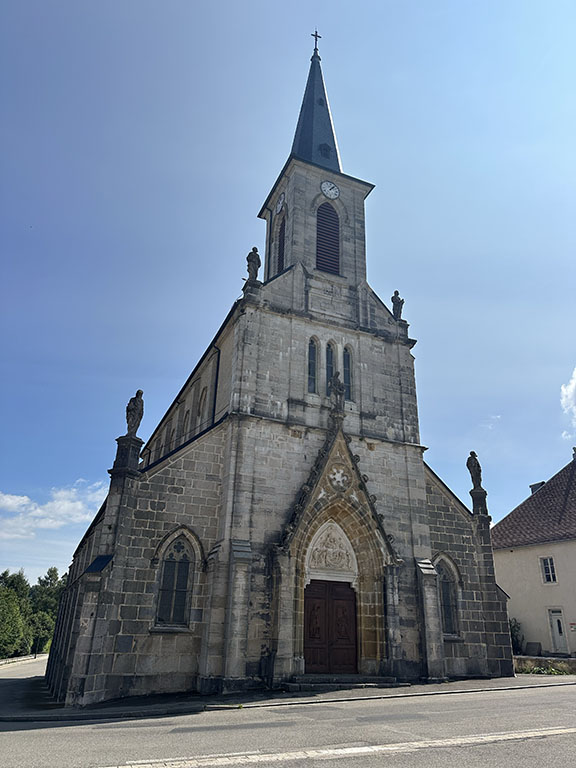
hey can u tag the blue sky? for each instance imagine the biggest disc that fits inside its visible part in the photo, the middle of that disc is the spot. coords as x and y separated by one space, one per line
140 139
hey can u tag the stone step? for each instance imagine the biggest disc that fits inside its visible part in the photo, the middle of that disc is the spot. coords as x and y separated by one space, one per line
360 679
328 687
323 683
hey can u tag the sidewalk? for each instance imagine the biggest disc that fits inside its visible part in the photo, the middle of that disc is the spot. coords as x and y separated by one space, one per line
25 698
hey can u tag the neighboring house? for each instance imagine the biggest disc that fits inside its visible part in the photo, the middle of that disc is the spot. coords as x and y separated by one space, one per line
535 561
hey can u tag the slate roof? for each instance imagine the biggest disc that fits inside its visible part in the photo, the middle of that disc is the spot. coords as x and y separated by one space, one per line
549 514
315 139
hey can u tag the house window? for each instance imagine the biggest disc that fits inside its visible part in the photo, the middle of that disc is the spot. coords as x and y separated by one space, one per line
325 149
175 584
548 570
347 374
312 365
448 594
329 366
281 241
327 239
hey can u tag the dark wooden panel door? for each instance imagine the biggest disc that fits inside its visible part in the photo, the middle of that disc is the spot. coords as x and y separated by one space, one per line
329 628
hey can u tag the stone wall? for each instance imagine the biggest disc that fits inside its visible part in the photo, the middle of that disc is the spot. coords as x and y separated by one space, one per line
481 645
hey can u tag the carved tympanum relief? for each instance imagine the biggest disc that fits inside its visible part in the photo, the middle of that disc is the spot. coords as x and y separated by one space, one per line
330 556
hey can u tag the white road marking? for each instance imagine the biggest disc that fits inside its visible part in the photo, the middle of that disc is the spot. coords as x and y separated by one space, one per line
253 758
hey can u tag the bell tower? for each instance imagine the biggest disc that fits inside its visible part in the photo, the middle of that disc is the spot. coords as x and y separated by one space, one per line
315 213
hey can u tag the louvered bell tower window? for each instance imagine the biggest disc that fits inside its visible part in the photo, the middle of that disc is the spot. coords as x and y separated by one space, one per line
327 239
281 240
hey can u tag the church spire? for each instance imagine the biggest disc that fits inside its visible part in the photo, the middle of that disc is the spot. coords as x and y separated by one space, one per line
315 139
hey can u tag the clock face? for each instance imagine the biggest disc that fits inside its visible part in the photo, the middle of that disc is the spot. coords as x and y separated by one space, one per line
280 202
330 190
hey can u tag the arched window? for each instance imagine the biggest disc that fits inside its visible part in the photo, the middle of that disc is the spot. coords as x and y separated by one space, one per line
327 239
175 584
312 366
186 426
201 415
448 593
281 241
329 366
347 365
168 437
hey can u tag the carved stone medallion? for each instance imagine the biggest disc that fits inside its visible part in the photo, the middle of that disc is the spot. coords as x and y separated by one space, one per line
339 477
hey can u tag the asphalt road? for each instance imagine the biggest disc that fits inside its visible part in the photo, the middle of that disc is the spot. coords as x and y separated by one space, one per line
528 727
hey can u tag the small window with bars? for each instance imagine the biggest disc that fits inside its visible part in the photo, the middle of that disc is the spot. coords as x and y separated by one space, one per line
327 239
548 570
175 584
312 366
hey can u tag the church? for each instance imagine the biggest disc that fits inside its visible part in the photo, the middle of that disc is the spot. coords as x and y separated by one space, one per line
280 527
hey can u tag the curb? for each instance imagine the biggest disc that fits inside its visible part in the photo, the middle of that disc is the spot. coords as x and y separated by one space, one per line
19 659
86 716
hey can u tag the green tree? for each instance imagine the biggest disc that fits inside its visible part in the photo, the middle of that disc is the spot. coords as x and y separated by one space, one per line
41 628
19 586
17 583
45 595
11 623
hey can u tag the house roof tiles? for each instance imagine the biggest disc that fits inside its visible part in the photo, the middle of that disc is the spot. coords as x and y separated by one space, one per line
549 514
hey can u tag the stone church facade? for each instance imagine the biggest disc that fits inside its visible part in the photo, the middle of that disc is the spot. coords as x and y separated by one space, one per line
281 522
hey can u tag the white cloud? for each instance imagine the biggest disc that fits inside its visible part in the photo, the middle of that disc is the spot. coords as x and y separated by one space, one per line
22 518
568 399
491 422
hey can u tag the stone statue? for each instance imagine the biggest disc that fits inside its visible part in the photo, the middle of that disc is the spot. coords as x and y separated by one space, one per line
397 304
134 413
254 264
475 470
337 391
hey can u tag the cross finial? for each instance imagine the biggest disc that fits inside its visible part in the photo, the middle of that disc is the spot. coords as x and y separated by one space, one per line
316 37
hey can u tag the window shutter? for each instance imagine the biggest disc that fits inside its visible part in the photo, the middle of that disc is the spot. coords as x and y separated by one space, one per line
327 239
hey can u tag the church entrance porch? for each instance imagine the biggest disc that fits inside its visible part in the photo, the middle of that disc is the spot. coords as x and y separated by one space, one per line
329 628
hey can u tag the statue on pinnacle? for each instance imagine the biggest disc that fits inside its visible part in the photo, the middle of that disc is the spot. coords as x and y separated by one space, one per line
253 264
475 470
134 413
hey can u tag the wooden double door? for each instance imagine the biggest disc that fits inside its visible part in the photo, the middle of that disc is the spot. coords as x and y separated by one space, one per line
329 628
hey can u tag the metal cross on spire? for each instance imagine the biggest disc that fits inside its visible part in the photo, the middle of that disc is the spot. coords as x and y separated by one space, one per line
316 37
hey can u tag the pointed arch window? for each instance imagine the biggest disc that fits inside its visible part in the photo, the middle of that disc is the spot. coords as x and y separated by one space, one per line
200 414
312 366
327 239
329 366
175 584
186 425
347 378
281 243
448 593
